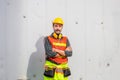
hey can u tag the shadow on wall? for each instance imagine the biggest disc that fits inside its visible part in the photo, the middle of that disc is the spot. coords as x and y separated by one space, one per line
36 62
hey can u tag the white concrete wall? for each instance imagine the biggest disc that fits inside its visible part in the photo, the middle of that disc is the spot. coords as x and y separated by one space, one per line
92 27
2 42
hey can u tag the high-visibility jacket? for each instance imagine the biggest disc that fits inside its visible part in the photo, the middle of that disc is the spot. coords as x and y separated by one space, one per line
57 75
58 44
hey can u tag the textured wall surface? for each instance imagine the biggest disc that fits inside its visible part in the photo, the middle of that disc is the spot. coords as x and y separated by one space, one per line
92 26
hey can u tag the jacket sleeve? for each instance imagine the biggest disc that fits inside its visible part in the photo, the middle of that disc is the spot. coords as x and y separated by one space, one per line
48 48
68 53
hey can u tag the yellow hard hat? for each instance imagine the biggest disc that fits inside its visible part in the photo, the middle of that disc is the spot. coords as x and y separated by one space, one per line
58 20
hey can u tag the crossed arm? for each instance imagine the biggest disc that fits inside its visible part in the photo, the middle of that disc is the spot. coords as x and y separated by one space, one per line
52 52
61 52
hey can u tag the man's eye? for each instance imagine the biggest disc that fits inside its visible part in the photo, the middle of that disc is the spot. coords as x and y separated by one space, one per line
56 25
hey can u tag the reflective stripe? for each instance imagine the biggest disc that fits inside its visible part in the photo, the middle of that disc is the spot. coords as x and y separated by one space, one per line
59 44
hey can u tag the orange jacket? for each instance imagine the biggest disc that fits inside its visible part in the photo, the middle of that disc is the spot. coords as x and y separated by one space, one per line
58 44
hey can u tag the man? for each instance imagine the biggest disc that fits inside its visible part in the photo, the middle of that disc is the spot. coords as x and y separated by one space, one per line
58 49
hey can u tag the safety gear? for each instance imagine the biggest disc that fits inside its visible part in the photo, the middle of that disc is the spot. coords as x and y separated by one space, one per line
50 71
58 20
58 74
57 36
61 44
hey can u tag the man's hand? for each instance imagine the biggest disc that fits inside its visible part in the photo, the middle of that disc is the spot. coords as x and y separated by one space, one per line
68 49
55 50
60 52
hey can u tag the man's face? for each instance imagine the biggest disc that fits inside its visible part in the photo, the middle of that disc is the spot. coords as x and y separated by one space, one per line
57 28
